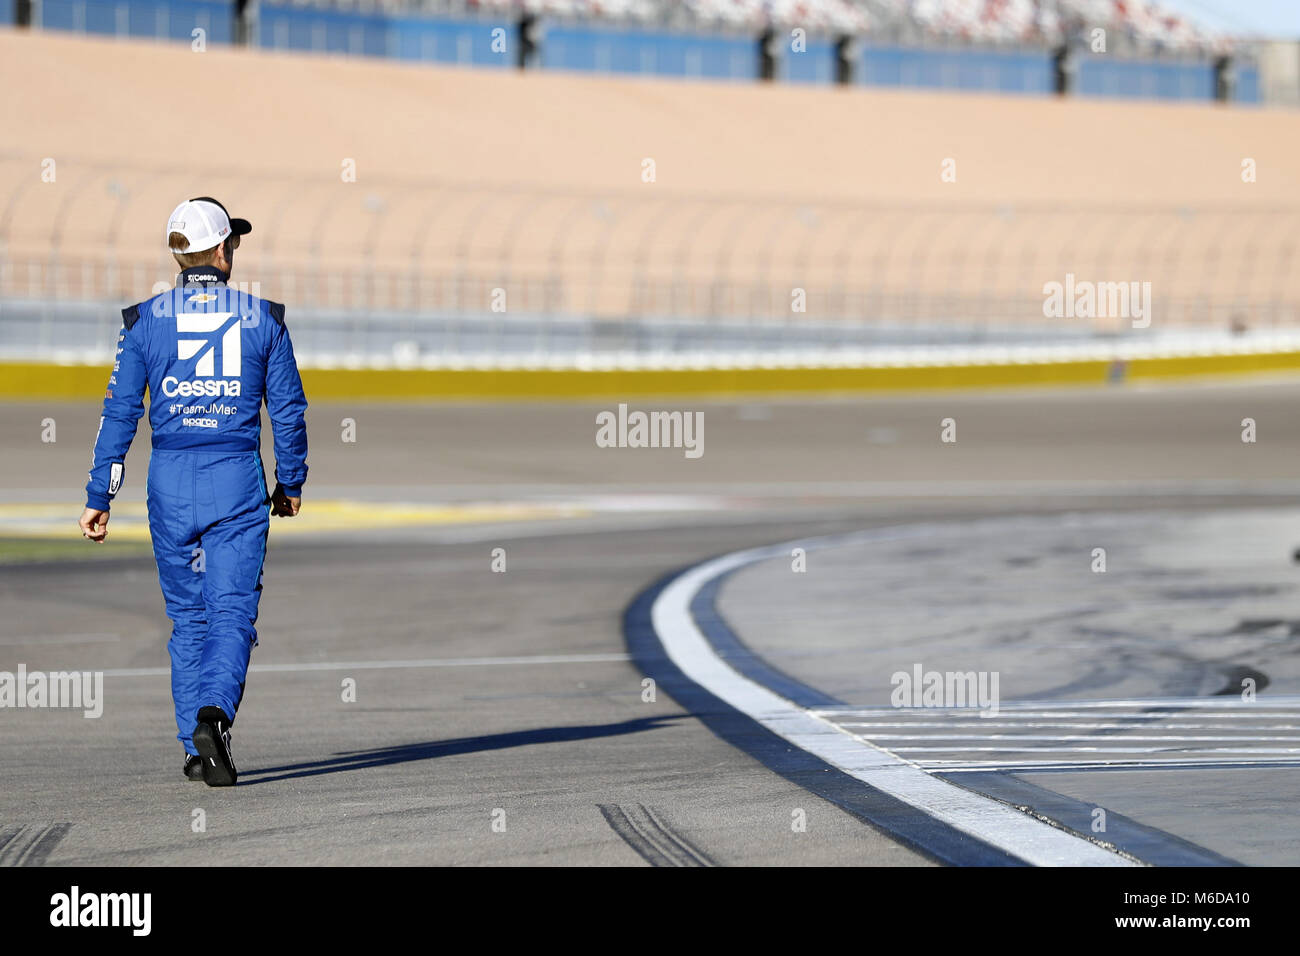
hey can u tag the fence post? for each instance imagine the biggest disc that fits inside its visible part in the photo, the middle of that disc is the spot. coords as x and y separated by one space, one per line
768 57
847 50
245 22
1065 66
1225 79
530 42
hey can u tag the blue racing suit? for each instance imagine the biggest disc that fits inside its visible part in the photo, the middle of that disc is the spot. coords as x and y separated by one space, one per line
209 356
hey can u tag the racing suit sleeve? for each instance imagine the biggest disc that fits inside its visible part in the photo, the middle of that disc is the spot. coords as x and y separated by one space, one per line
123 406
287 406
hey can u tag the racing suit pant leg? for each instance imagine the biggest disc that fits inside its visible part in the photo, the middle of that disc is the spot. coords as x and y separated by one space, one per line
234 547
180 573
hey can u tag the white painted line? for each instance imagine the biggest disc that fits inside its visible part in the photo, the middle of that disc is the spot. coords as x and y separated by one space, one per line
983 766
301 668
1005 714
35 640
1162 703
1040 725
1180 738
1153 719
551 493
986 819
445 662
1100 750
1166 345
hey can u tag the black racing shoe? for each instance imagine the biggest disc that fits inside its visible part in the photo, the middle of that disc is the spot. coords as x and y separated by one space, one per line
193 768
212 741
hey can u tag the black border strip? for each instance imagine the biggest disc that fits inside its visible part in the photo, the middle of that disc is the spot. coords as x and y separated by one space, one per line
900 821
1148 844
1137 840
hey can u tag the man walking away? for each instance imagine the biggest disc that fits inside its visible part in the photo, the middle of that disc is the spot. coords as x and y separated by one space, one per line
209 357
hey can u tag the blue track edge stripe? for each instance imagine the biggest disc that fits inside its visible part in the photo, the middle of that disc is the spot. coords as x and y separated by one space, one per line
898 820
728 645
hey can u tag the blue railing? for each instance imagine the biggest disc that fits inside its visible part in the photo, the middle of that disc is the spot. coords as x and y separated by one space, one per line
975 70
1124 79
467 42
1247 85
488 42
161 19
323 31
603 48
659 53
815 64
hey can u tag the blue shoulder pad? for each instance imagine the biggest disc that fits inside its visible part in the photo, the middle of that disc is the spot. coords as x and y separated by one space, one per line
130 316
277 311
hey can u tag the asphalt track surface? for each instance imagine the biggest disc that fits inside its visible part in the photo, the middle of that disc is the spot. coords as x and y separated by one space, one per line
487 698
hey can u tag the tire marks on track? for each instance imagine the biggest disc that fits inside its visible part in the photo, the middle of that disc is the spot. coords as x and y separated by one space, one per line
29 845
645 831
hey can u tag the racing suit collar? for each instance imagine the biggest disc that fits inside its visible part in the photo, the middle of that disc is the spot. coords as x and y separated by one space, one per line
201 275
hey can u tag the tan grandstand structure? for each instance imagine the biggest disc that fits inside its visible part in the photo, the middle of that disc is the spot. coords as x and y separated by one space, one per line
468 181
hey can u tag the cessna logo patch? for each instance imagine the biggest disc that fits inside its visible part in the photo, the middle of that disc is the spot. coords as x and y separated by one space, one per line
206 334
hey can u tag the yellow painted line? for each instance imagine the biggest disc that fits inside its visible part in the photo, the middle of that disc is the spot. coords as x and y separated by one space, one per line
25 380
47 380
128 521
1201 365
532 384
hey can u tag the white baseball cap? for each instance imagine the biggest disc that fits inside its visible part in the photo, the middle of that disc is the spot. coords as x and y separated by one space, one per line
205 223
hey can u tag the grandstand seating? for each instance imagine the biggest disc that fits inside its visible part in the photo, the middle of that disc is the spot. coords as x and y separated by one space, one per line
1141 24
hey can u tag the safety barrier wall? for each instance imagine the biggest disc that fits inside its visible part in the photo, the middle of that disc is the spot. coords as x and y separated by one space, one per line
45 330
1169 81
495 42
470 42
85 382
160 19
986 71
659 53
816 64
